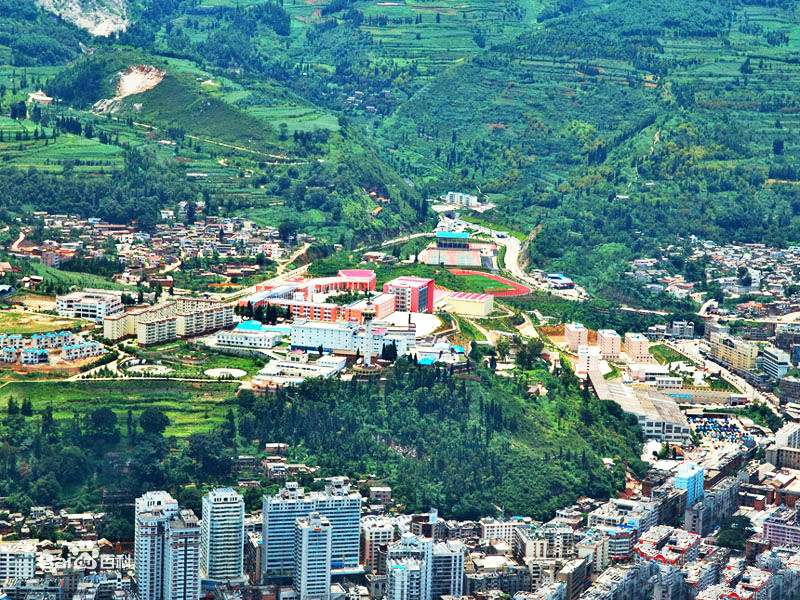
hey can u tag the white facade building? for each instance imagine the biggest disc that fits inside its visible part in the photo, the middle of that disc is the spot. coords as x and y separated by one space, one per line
93 305
152 511
340 505
461 199
588 359
312 557
17 559
222 535
344 337
250 334
406 579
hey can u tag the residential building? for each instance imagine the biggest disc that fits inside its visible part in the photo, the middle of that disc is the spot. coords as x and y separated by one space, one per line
181 577
222 535
610 344
719 502
152 511
312 557
79 350
460 199
182 317
17 559
682 330
375 533
406 579
412 294
575 335
775 362
447 569
92 305
689 477
782 527
499 529
415 548
588 360
338 503
575 577
637 347
733 352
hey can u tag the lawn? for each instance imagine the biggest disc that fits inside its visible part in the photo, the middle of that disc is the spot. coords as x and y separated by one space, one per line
664 354
30 323
191 407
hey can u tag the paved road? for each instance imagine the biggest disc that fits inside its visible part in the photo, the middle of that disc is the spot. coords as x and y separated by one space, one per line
513 247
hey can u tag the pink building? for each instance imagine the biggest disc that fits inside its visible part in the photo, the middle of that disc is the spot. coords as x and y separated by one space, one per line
414 294
576 335
637 347
610 344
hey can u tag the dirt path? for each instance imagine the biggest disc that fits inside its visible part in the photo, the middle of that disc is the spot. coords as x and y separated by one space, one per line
17 242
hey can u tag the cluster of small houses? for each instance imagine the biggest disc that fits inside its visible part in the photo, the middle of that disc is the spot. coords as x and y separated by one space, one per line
36 350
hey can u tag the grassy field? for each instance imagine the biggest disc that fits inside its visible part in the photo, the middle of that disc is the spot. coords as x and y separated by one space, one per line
664 354
479 284
30 323
191 407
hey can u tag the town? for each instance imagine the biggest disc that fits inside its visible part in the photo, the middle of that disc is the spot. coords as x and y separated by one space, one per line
717 399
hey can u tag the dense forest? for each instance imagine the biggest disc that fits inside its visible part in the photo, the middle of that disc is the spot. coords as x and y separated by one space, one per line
462 444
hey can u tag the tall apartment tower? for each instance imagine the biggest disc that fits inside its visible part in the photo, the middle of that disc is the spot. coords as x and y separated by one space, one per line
182 557
152 511
222 535
410 553
405 579
447 569
312 557
338 504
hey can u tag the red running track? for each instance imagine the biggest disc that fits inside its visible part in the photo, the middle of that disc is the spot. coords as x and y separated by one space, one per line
519 289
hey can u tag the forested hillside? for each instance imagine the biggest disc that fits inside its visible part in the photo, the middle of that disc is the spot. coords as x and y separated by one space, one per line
465 447
613 126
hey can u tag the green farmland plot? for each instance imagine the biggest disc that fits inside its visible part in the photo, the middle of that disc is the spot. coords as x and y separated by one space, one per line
191 407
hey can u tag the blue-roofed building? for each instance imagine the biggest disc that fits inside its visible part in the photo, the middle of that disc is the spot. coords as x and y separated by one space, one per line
451 240
251 334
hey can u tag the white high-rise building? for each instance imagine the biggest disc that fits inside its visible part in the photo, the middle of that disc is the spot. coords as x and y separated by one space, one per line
340 505
417 549
406 579
152 511
312 557
222 535
182 557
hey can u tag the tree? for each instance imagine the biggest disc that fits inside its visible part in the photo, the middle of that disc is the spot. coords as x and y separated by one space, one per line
27 408
777 146
153 421
503 348
734 532
13 407
103 424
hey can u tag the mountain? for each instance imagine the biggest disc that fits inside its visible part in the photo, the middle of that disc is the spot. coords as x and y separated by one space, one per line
98 17
608 127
